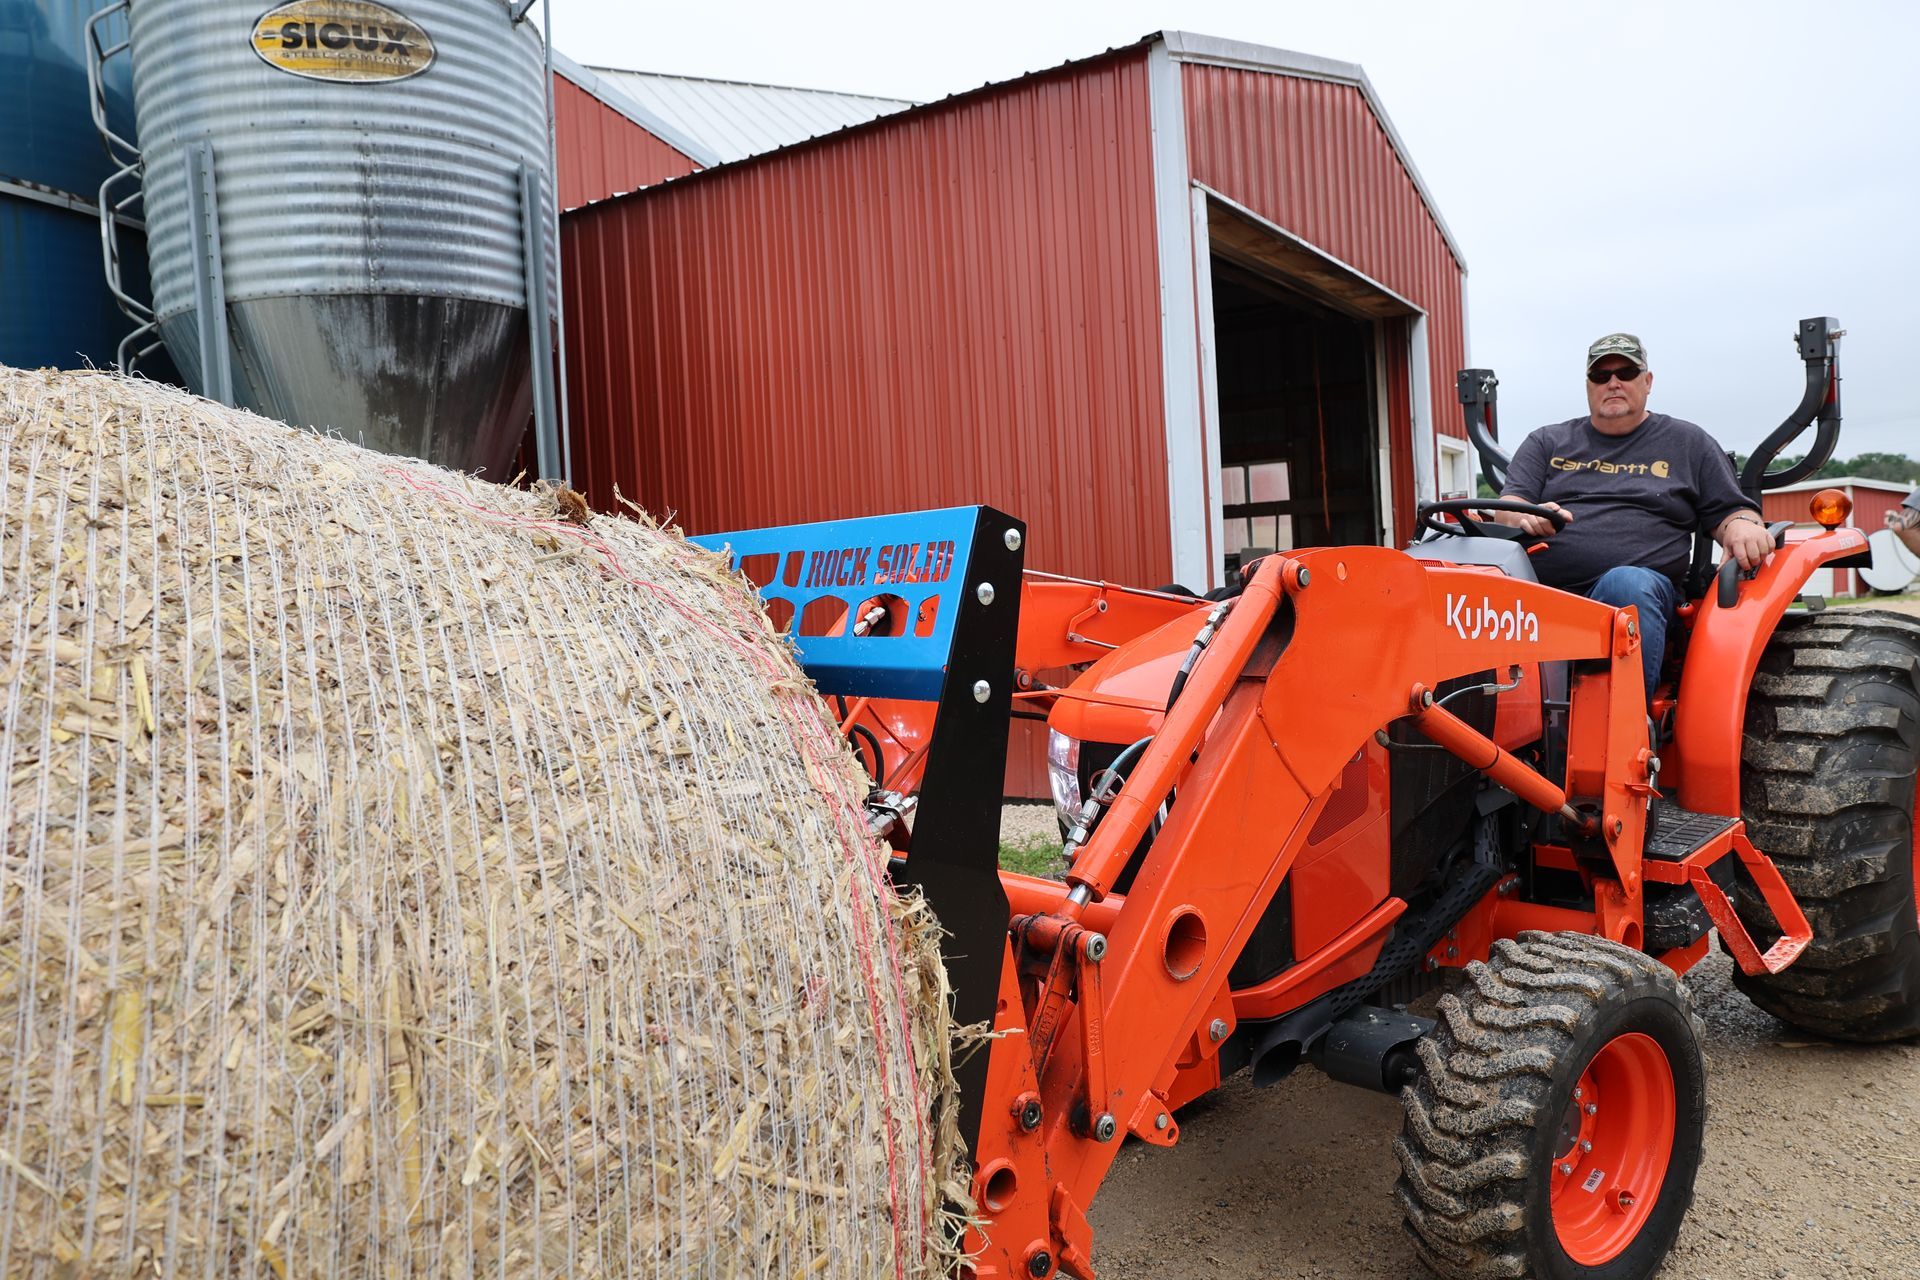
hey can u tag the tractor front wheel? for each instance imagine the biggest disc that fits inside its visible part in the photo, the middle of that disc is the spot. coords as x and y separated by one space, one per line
1555 1128
1828 789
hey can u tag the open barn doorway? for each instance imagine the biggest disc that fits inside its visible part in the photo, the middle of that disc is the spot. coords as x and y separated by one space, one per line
1298 419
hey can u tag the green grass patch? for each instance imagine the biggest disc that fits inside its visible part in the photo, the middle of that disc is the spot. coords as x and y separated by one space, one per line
1863 602
1039 857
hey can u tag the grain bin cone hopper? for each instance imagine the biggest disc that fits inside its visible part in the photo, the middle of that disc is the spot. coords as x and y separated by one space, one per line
346 204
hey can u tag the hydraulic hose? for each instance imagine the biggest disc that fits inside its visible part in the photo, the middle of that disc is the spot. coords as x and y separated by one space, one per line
1200 643
1089 814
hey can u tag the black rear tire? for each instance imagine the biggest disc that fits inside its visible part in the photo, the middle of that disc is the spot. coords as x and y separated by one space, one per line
1830 757
1487 1116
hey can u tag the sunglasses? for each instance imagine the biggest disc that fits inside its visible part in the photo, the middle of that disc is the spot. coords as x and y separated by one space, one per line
1601 377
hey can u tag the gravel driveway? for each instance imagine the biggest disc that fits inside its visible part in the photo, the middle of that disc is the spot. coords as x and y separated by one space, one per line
1812 1170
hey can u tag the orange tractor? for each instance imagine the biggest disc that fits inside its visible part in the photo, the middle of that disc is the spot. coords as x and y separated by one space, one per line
1365 775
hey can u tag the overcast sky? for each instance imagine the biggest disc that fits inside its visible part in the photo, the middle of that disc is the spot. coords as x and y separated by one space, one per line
1702 175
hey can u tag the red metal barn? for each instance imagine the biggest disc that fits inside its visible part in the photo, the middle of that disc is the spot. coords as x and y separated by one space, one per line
1872 499
1172 305
606 143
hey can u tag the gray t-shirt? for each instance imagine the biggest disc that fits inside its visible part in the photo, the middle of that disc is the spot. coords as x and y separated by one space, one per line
1635 499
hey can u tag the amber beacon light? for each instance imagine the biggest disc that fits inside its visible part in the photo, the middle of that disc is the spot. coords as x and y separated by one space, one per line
1831 508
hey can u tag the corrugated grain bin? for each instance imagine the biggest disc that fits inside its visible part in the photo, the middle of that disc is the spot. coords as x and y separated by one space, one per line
352 180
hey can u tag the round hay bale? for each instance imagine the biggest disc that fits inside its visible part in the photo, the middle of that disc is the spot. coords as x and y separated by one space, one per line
399 876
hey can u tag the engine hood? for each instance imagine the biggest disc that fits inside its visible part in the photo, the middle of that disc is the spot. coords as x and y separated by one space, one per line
1123 696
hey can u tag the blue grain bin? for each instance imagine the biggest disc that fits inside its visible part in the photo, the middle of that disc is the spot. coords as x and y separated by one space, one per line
54 305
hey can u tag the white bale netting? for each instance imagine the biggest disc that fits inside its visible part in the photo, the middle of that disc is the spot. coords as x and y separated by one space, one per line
400 879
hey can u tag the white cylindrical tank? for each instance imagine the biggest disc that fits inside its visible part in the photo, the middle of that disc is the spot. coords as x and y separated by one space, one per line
369 239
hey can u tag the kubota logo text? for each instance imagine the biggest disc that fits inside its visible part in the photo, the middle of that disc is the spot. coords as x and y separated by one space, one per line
1489 621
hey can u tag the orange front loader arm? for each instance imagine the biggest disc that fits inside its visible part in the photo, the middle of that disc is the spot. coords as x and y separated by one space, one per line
1323 649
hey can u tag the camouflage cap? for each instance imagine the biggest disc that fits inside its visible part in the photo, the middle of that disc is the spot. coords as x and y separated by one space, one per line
1618 344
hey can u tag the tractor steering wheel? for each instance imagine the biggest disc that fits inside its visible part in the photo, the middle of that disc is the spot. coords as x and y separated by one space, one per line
1463 509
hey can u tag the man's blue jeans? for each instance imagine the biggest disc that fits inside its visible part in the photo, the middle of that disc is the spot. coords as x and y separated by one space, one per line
1656 597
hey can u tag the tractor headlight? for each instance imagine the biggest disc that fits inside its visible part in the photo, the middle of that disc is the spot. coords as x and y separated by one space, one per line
1063 774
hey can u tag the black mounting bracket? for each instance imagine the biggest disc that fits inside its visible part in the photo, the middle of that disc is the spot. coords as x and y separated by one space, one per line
1480 394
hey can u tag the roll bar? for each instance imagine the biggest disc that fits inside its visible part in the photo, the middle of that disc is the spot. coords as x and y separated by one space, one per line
1819 342
1479 391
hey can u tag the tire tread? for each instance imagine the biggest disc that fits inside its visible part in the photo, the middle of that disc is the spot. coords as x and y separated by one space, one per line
1829 759
1488 1071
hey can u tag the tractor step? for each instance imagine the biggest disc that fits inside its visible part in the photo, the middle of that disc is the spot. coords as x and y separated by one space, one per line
1675 834
1710 855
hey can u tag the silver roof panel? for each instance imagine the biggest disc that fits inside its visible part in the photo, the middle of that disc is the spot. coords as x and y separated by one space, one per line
621 101
733 119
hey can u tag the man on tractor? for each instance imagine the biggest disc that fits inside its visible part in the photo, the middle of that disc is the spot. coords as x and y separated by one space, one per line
1633 487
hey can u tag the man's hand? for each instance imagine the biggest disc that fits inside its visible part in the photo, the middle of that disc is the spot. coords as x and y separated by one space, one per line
1905 523
1746 540
1538 526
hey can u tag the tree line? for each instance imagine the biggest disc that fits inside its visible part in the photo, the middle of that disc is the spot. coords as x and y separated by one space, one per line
1896 468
